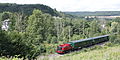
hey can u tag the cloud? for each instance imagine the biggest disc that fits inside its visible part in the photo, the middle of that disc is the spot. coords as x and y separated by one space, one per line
73 5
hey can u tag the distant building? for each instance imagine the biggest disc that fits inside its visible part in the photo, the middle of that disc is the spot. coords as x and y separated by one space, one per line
90 17
101 17
5 24
56 17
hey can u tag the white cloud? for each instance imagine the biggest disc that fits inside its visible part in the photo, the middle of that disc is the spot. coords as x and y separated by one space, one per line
73 5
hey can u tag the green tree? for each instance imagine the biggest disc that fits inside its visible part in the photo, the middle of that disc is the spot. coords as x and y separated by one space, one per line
94 28
40 25
39 29
18 22
6 15
114 27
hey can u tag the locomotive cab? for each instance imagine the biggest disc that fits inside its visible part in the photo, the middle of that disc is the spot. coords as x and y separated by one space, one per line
59 49
63 48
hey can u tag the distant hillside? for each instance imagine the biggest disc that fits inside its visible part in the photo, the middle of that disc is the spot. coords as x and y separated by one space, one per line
97 13
27 8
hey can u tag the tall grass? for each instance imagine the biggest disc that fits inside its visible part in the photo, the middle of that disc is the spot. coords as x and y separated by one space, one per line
106 53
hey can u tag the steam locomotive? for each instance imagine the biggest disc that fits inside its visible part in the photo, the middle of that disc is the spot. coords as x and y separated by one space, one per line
63 48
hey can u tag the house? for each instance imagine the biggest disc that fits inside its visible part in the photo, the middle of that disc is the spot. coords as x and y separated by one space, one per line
5 24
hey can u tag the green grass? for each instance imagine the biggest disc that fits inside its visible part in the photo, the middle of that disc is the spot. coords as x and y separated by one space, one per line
110 53
105 53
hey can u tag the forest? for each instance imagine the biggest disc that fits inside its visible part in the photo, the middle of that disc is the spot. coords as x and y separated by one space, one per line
27 9
39 33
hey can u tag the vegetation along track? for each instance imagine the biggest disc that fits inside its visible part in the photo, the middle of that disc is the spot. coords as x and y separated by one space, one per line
59 55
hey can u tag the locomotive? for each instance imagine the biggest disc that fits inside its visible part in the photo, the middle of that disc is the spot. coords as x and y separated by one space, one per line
63 48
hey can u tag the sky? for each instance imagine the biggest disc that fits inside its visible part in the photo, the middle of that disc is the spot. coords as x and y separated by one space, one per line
73 5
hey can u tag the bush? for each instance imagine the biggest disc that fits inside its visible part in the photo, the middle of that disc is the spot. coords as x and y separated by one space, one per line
115 39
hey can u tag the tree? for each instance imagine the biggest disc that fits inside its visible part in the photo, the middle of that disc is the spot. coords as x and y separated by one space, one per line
6 15
39 29
94 28
40 24
114 27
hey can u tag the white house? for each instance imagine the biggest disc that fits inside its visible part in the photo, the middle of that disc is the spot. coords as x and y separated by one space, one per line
5 24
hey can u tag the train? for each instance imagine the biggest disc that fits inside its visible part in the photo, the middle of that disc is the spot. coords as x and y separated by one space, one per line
77 44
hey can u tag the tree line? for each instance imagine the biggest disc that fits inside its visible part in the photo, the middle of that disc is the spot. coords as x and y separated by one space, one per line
27 8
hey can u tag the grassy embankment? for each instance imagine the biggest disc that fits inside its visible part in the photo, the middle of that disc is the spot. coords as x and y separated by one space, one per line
93 53
110 53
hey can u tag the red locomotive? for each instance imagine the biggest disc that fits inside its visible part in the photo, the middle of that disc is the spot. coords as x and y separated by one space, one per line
63 48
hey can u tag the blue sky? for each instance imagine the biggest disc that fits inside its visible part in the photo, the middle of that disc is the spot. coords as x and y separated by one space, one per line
74 5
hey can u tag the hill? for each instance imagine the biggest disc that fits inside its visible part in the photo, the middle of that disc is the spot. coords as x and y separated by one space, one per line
27 8
96 13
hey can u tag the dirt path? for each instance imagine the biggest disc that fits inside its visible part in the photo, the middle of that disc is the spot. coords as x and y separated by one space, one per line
51 56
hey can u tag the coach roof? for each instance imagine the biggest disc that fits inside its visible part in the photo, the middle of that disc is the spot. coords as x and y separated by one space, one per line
89 39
